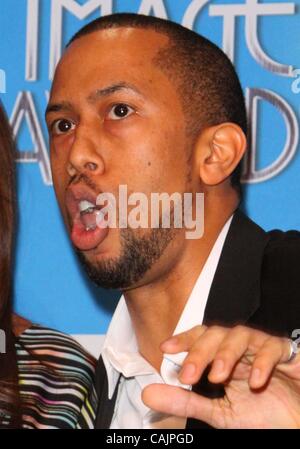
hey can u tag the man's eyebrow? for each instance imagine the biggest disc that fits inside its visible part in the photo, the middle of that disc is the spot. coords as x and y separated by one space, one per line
94 96
105 91
57 107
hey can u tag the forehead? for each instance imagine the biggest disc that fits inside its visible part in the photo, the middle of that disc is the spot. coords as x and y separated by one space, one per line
106 56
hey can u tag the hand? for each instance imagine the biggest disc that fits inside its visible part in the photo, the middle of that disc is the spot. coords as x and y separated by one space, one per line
261 389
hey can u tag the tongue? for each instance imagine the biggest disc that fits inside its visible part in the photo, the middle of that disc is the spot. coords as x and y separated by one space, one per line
86 234
89 221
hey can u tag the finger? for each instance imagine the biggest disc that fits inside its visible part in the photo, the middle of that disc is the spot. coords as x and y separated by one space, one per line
286 352
240 341
274 351
182 342
201 354
290 369
230 351
176 401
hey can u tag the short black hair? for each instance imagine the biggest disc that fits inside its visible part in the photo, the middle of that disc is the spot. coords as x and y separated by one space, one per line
210 90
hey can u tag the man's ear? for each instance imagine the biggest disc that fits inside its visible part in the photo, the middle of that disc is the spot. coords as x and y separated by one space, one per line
219 149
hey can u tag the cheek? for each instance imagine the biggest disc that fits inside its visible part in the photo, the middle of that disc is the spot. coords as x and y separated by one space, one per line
59 150
60 146
58 176
168 159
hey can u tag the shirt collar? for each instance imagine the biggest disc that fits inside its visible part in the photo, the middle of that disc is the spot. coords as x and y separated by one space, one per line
194 309
120 350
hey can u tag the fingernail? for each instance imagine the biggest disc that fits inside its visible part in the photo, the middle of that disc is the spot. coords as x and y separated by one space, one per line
188 371
255 376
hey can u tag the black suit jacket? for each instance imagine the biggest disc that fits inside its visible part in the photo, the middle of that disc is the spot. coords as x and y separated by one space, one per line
257 282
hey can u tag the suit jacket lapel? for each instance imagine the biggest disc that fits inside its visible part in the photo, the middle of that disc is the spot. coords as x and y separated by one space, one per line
235 291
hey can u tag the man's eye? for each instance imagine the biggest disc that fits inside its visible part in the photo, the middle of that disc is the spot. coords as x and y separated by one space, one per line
62 126
119 111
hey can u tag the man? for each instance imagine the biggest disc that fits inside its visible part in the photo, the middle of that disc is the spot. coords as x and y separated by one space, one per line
145 103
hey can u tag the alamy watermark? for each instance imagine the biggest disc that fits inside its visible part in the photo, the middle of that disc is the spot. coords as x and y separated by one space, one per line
162 210
296 83
296 340
2 342
2 82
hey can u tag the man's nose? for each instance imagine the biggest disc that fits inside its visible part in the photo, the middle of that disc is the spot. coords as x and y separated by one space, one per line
85 156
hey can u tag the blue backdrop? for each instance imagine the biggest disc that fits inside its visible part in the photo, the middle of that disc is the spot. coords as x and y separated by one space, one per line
263 41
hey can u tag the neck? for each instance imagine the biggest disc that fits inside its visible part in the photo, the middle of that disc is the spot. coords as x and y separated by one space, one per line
156 306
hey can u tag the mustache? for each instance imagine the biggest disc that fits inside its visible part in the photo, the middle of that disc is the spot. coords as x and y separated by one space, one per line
82 178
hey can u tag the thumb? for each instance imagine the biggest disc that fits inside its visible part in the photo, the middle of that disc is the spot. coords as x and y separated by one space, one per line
177 401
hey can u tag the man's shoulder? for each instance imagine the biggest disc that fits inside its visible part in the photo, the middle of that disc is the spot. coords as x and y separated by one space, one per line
281 267
280 283
282 252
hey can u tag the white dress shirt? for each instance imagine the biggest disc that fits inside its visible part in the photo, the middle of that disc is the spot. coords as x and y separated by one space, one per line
121 356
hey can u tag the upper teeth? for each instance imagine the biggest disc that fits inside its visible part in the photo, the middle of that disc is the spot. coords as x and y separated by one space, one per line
85 205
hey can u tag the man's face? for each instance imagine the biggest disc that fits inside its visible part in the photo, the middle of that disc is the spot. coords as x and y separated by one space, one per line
115 119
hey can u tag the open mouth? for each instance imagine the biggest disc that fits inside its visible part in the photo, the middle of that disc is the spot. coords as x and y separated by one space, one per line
90 214
88 228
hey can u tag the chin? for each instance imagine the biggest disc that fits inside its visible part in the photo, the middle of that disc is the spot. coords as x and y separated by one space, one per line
102 253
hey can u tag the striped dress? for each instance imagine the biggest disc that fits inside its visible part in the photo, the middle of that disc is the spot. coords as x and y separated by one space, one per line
56 378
